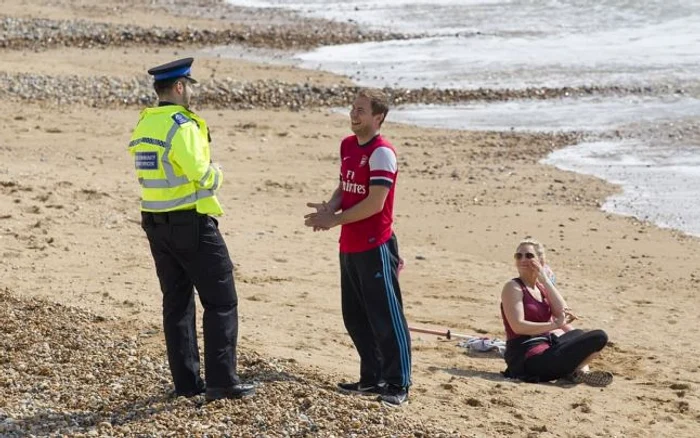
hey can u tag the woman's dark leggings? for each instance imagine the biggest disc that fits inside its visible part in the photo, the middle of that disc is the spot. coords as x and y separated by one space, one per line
566 354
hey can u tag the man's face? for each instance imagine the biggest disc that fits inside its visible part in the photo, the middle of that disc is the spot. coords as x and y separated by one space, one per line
362 122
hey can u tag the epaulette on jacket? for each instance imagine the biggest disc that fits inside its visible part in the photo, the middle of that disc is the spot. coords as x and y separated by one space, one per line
180 119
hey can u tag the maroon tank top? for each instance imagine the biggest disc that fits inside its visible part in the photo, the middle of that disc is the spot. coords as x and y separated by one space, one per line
535 311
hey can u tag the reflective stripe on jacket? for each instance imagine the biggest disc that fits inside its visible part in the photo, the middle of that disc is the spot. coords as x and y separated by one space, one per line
170 147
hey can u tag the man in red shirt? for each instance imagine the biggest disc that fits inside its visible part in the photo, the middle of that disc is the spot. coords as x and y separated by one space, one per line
363 205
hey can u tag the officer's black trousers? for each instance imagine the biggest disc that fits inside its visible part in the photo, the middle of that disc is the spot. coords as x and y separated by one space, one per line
373 314
188 251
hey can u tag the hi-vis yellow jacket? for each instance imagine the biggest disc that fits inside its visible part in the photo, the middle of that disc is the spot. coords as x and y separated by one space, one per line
170 146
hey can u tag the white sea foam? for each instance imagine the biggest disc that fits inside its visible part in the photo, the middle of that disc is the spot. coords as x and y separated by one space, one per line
523 43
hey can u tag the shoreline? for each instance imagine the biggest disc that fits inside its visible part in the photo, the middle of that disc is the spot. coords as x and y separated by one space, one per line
319 89
71 235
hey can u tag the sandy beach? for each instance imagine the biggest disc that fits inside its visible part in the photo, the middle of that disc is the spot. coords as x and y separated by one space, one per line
70 235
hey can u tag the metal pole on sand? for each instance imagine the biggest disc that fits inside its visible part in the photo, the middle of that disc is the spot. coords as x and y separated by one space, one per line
448 334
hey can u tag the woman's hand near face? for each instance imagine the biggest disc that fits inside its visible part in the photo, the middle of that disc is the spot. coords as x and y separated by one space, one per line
542 275
536 267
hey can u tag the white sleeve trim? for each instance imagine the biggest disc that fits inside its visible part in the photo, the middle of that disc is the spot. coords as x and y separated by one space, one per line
383 158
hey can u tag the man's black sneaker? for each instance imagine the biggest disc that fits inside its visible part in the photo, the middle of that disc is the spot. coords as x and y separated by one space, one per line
394 396
361 388
236 391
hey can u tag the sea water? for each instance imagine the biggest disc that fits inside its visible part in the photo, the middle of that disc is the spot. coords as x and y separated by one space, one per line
501 44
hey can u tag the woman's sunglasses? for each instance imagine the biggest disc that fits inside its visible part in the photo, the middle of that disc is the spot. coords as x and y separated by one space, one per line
527 255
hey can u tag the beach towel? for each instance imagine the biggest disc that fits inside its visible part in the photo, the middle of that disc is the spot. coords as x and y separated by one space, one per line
484 346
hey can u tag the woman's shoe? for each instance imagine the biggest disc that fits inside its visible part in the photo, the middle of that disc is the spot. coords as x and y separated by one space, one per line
598 379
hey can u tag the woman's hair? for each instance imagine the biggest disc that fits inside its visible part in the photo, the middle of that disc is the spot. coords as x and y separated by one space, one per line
539 248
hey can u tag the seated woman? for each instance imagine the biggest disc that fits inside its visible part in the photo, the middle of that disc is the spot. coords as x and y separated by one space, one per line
532 309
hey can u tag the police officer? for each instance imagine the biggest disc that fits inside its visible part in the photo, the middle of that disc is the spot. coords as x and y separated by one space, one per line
170 146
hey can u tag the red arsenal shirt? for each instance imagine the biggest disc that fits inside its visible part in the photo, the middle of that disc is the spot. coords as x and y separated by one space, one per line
373 163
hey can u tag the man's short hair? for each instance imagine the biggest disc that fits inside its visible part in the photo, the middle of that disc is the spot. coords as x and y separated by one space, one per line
164 86
378 99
